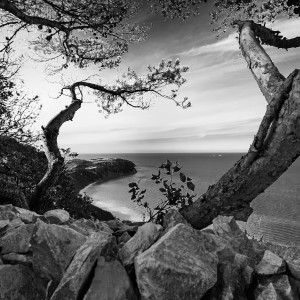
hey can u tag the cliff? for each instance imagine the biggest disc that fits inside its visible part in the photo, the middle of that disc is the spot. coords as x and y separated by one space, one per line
53 256
85 172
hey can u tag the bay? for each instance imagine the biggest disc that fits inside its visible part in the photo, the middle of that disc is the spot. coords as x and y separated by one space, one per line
276 214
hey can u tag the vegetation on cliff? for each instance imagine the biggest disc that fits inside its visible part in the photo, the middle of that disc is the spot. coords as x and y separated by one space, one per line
22 167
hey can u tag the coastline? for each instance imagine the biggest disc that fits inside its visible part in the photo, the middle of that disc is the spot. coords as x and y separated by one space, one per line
87 172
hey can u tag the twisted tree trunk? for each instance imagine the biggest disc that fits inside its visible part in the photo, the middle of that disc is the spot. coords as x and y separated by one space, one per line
275 146
55 160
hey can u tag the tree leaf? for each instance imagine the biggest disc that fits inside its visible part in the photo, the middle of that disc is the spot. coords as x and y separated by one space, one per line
182 177
190 185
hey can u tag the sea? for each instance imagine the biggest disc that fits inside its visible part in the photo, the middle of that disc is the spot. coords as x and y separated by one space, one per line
276 212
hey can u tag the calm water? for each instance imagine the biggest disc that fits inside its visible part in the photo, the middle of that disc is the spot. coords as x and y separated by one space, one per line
276 211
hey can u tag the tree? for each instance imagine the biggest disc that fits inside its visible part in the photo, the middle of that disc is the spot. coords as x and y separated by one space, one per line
82 33
276 144
17 111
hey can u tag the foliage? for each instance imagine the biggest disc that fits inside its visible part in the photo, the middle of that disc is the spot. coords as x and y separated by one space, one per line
18 112
22 167
78 32
174 196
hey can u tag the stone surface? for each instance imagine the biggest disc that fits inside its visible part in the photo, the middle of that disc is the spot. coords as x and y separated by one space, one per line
19 283
110 282
116 225
87 225
77 274
6 212
15 259
226 227
291 254
231 284
25 215
124 238
57 216
17 240
283 288
142 240
3 224
172 218
53 247
268 293
270 264
102 226
178 266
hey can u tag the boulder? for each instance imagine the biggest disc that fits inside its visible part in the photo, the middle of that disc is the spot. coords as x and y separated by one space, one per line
226 227
142 240
291 254
19 283
84 225
124 238
6 212
231 283
116 225
57 216
17 259
77 276
270 264
282 286
172 218
24 214
102 226
17 240
53 247
178 266
17 222
268 293
110 282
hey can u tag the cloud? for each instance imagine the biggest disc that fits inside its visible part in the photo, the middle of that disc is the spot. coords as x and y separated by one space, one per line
288 27
228 44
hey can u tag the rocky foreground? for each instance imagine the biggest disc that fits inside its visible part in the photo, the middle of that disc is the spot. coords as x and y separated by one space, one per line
53 256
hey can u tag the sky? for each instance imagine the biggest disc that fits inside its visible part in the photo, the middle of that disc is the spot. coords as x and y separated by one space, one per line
227 105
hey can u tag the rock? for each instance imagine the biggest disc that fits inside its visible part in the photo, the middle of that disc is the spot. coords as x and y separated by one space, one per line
291 254
86 225
53 247
17 240
25 215
177 266
226 227
19 283
116 225
231 284
268 293
124 238
102 226
282 286
270 264
17 222
76 277
4 224
110 282
17 259
57 216
142 240
6 212
172 218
